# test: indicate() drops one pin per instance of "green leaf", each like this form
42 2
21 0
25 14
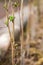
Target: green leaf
6 23
11 18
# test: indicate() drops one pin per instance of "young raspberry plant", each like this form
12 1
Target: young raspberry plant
11 18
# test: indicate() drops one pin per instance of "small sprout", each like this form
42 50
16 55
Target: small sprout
15 4
6 23
11 18
5 6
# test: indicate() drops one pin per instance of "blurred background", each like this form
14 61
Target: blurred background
36 46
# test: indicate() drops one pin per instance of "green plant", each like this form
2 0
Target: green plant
11 18
7 24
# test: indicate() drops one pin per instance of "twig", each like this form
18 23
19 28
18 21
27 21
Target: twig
11 40
13 37
22 39
8 21
28 30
